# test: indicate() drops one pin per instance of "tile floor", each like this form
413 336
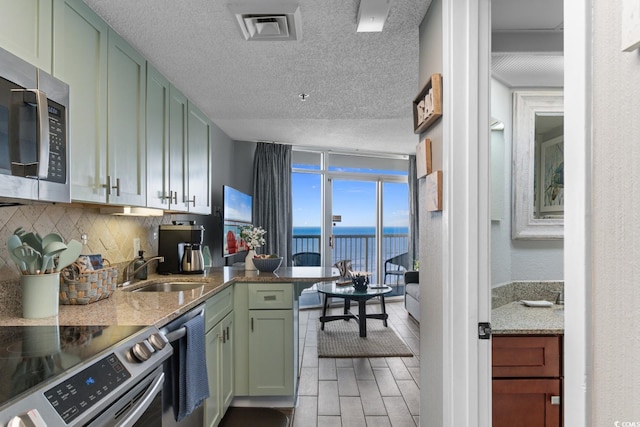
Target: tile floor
371 392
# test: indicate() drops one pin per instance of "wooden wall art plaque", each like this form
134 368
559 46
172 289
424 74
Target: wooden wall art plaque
427 106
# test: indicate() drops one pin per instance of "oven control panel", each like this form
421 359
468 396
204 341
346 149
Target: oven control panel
83 390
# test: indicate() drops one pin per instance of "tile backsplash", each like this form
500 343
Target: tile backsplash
111 236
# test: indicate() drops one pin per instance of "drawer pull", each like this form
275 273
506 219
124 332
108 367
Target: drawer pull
555 400
269 297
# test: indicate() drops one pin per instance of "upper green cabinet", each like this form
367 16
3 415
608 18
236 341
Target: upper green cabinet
198 197
134 138
157 140
107 81
80 44
25 30
126 105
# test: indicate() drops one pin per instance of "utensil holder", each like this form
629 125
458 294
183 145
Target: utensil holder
40 295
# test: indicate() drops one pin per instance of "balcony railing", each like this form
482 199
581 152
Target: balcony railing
359 248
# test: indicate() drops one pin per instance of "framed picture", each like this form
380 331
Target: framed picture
434 191
427 106
551 188
423 158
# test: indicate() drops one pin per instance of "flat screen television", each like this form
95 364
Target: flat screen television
236 213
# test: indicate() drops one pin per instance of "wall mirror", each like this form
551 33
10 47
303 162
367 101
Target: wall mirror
538 165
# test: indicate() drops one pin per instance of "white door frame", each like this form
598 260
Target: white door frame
466 212
466 387
577 226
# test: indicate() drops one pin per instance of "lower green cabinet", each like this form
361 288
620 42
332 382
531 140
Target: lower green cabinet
271 353
219 340
220 370
266 343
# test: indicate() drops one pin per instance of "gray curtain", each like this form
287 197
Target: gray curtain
414 230
272 198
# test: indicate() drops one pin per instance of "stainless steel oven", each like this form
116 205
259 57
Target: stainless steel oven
34 146
82 375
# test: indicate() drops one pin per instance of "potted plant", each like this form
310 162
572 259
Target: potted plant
253 238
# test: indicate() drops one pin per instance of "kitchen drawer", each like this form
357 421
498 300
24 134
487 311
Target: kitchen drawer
270 296
526 356
219 306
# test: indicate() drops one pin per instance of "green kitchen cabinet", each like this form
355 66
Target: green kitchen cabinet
198 168
107 82
126 105
157 140
266 341
25 30
80 51
271 353
166 143
219 340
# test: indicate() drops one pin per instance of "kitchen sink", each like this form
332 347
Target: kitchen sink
168 287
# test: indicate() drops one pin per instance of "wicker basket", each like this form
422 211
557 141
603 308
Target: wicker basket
88 286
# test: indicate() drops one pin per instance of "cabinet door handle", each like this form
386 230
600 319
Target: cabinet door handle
175 197
117 187
227 332
191 201
252 324
555 400
108 185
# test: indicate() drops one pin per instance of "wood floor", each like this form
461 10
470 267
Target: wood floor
371 392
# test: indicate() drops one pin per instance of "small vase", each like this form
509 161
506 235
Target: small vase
248 261
40 295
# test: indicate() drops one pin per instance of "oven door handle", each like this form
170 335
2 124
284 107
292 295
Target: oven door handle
180 332
145 402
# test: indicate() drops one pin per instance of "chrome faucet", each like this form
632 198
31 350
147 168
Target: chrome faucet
128 274
560 297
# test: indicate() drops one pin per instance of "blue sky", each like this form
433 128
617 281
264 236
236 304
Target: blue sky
354 200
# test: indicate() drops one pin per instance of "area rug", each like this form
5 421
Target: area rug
341 339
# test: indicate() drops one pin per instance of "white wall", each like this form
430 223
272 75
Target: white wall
431 265
517 259
614 349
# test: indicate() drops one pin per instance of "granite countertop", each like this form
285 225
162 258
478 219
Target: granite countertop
510 316
158 308
516 318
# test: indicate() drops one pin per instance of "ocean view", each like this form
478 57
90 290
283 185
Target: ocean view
354 243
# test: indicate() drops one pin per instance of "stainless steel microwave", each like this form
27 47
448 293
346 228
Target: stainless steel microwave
34 144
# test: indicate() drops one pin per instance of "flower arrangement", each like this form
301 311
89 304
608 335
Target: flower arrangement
253 236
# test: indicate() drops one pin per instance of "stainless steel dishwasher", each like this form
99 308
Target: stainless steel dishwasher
174 332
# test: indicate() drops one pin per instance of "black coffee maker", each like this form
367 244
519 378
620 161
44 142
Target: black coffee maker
172 239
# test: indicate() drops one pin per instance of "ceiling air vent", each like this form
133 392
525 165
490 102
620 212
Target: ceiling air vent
268 21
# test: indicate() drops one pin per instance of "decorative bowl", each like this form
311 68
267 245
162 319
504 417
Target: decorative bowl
267 265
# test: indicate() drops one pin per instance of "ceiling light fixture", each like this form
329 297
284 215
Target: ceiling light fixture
372 15
303 96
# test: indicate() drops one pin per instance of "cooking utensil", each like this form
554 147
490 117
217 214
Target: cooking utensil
69 255
29 256
50 250
13 243
50 238
33 240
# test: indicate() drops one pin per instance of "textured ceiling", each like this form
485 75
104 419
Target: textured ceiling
360 85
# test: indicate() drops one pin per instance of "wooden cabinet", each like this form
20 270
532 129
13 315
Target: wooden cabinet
266 348
80 40
25 30
527 381
219 353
